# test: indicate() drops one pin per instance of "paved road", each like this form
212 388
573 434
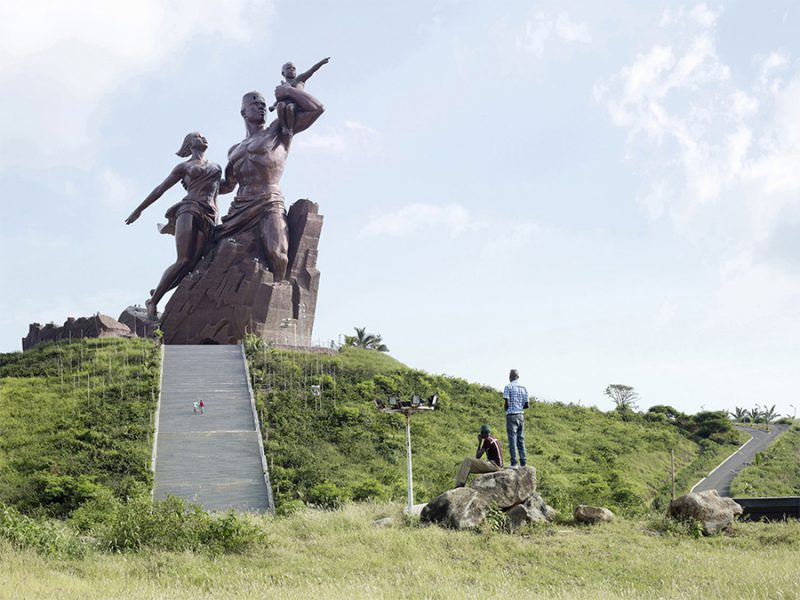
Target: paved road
213 459
720 478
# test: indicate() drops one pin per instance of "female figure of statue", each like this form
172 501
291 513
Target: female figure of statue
192 220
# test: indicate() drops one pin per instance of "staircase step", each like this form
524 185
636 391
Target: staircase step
213 459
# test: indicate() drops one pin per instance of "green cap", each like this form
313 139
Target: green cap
485 429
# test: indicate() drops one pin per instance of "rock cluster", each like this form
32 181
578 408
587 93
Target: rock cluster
713 511
511 490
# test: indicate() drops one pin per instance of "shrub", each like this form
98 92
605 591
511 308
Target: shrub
42 535
328 495
369 489
289 507
173 525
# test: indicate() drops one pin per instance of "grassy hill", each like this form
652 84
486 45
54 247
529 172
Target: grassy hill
774 472
330 448
76 519
75 422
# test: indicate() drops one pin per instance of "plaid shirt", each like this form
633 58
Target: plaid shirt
516 395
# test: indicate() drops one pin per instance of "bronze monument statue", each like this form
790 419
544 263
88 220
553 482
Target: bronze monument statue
257 271
192 220
256 164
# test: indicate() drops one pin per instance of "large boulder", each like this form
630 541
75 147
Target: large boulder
461 508
510 490
533 510
592 515
714 512
508 487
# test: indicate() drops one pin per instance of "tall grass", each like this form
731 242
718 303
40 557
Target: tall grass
342 554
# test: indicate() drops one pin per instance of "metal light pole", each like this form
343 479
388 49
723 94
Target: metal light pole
407 408
408 463
794 411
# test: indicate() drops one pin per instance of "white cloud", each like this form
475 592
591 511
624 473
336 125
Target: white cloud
665 314
688 122
541 27
569 31
719 157
452 218
60 60
514 238
754 295
115 191
348 138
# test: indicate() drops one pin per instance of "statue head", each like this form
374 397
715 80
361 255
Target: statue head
513 375
254 107
192 140
289 71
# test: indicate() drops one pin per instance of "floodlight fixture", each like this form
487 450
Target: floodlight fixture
408 407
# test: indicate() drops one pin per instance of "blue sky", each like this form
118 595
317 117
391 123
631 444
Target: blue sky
592 193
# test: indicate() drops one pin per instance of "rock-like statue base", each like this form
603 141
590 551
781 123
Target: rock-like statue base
231 292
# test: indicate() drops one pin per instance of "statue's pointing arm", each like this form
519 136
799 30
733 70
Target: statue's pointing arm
173 178
305 76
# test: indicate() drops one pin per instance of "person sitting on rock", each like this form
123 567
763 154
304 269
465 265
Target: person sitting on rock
487 444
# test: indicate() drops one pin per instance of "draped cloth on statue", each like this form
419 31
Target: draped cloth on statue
201 183
246 212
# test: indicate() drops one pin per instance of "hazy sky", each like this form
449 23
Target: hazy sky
591 192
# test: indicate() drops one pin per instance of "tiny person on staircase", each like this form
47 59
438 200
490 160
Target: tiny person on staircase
487 444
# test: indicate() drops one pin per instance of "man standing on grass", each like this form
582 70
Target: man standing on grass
516 400
486 445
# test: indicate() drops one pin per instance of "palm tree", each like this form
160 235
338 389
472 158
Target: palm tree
754 414
769 415
362 339
739 414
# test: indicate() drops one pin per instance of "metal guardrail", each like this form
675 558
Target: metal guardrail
775 508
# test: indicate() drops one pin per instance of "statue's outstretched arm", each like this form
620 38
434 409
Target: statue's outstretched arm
304 76
172 179
309 108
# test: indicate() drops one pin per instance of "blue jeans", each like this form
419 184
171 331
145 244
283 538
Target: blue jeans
515 429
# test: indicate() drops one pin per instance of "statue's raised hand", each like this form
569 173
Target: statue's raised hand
133 216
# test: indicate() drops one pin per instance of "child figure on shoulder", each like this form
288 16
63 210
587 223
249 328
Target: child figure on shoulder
286 110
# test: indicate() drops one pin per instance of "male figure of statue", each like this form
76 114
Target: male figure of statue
256 165
516 400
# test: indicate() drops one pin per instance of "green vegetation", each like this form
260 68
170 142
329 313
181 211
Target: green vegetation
774 472
75 423
341 554
362 339
329 448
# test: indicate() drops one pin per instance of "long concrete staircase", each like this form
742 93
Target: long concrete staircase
215 459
